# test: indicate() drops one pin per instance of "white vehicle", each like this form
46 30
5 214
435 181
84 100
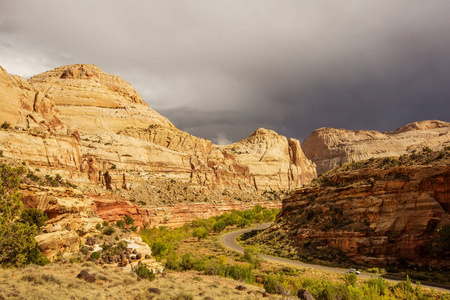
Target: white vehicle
354 271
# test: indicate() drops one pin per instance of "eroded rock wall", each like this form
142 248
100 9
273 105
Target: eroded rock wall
329 147
168 216
390 215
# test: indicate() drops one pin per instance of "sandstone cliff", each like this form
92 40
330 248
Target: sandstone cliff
93 130
329 147
117 128
92 101
24 108
374 216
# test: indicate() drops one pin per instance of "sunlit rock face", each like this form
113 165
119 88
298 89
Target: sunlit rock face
329 147
117 127
375 216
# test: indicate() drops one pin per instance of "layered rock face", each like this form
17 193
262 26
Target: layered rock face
38 135
329 147
25 108
168 216
92 101
117 128
71 218
94 130
374 216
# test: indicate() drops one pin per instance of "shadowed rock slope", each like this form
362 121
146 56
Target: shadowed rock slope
393 211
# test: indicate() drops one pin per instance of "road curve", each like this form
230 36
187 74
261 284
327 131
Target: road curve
229 240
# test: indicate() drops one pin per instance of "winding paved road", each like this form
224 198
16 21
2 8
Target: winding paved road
229 240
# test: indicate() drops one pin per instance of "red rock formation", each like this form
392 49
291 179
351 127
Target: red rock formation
391 214
168 216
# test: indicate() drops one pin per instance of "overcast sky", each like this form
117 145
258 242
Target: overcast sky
222 69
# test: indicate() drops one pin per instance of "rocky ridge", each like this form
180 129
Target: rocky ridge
107 123
94 131
329 147
374 216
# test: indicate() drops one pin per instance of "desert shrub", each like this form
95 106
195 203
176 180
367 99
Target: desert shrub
84 249
219 226
183 296
426 149
187 262
95 255
350 279
34 216
98 226
380 284
159 249
238 272
128 220
200 233
251 255
5 125
172 261
17 244
270 284
143 272
120 224
41 279
108 230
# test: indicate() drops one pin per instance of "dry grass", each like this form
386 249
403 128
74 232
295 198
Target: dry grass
58 281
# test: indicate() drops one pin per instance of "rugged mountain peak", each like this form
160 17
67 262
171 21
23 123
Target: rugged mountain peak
25 108
262 135
86 85
93 101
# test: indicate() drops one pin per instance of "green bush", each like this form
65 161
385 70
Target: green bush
187 262
128 220
270 284
200 233
441 245
5 125
159 249
120 224
143 272
172 261
84 249
95 255
350 279
17 244
251 255
34 216
219 226
109 230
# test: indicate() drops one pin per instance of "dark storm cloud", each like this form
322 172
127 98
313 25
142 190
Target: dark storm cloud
222 69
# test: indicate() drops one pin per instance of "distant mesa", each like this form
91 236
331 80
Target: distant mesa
329 147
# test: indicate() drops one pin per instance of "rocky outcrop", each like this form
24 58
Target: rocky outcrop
329 147
168 216
117 128
25 108
92 101
51 150
70 218
374 216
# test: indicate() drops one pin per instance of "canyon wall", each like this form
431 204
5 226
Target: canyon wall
329 147
117 128
374 216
